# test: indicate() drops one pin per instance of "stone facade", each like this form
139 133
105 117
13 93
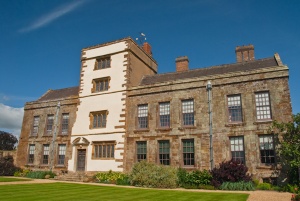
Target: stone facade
242 79
58 104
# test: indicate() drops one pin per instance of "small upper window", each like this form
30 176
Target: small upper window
102 63
188 112
164 114
143 116
65 124
101 84
263 106
35 128
50 121
234 108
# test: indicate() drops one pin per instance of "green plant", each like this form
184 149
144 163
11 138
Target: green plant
152 175
123 181
7 167
112 177
193 179
181 175
295 197
264 186
255 182
39 174
238 186
22 173
229 171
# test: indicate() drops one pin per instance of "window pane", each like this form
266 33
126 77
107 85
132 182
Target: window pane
263 110
141 151
237 149
143 116
234 108
164 114
188 152
65 124
164 152
267 152
188 112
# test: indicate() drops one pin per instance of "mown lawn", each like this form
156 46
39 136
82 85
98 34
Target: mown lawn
10 179
68 191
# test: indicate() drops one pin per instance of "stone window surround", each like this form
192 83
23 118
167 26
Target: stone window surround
142 117
103 143
227 108
261 136
35 126
49 121
181 112
31 151
93 113
269 106
65 122
46 152
61 155
240 149
165 113
162 155
97 80
141 151
105 62
182 153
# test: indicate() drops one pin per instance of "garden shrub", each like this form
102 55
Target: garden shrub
111 177
193 179
7 167
264 186
39 174
238 186
21 173
153 176
229 171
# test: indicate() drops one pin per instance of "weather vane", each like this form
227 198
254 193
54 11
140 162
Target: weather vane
141 39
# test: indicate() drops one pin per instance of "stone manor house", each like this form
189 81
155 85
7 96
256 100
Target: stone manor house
123 112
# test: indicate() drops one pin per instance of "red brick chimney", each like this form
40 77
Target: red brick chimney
244 53
147 48
182 64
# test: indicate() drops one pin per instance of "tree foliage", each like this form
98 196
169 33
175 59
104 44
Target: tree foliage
7 141
289 148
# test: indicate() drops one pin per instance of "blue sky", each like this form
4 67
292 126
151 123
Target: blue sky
41 40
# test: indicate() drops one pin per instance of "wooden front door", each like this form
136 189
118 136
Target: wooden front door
81 159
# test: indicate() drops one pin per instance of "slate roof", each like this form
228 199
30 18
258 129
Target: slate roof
214 70
59 94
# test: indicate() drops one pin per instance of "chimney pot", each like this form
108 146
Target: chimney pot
244 53
182 63
147 48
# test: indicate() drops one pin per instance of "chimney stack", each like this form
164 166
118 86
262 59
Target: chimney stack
147 48
182 64
244 53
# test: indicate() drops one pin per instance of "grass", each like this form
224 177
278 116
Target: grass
10 179
68 191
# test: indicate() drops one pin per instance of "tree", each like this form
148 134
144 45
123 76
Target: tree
7 141
289 147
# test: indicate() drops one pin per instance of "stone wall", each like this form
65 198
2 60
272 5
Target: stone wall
42 109
274 80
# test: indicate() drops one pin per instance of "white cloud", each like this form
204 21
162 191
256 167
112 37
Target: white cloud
11 119
55 14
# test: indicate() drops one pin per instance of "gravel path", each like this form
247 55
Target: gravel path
254 195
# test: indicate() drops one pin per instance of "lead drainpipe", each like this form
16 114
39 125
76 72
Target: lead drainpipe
54 136
211 157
